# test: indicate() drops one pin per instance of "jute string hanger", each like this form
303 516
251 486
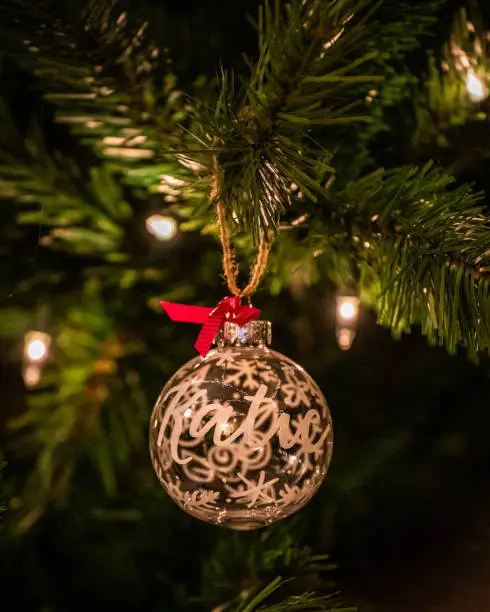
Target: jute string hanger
230 266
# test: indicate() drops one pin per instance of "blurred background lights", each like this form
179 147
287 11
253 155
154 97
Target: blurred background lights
36 350
32 375
475 87
347 307
345 338
347 311
36 346
162 227
346 320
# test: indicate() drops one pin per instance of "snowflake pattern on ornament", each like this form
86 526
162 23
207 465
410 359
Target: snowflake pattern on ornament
254 491
300 388
296 391
227 357
267 374
293 494
244 435
242 373
200 502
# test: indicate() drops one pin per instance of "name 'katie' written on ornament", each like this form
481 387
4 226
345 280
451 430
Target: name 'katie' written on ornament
200 423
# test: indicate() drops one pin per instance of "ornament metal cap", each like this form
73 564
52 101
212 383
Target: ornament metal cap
253 333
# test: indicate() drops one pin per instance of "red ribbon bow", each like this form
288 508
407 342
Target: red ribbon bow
229 309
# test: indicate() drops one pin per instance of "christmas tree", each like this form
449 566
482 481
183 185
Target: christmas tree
338 148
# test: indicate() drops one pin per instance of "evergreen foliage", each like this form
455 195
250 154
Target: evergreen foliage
302 134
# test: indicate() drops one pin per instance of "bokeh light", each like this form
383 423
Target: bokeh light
475 87
161 227
32 375
345 338
36 346
347 307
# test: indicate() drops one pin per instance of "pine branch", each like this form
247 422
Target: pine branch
2 505
401 26
81 406
306 601
309 74
83 217
107 82
444 102
418 246
236 569
425 253
447 302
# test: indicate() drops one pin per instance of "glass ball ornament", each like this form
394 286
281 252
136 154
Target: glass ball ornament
243 436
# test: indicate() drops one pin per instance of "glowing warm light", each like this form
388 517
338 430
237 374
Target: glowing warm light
114 141
129 152
345 338
187 162
36 346
163 228
347 307
36 350
347 313
173 181
32 375
227 428
475 87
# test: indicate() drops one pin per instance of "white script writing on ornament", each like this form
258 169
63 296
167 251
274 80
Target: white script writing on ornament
216 415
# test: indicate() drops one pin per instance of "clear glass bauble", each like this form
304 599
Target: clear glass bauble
242 437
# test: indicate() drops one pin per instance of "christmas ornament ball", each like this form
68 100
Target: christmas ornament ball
243 436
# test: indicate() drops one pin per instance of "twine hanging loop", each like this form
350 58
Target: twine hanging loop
230 266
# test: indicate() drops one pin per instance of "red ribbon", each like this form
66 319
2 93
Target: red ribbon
211 319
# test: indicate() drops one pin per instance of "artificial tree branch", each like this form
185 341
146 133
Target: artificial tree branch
105 79
79 407
308 74
47 190
424 249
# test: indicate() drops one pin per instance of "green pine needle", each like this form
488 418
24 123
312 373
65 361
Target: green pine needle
305 601
425 252
306 75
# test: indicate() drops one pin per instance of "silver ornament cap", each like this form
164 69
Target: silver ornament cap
254 333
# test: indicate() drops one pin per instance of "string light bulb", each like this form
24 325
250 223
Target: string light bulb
346 320
31 375
36 351
36 346
161 227
347 307
475 87
345 338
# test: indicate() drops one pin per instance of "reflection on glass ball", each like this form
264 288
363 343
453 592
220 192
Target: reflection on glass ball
242 437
